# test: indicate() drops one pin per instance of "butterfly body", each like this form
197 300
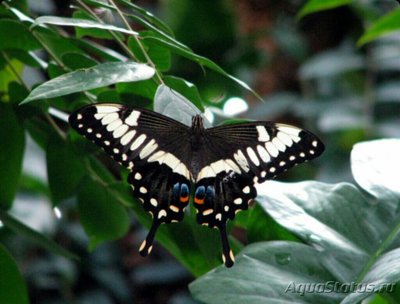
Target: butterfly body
166 157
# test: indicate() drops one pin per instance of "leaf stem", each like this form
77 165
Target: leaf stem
115 36
386 243
14 71
149 61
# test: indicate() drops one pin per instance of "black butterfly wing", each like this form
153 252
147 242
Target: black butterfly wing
153 147
239 156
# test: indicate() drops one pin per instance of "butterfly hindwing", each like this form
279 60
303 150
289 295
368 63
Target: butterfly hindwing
163 193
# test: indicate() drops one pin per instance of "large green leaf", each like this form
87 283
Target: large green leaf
353 233
101 215
85 79
386 25
268 272
313 6
12 145
12 286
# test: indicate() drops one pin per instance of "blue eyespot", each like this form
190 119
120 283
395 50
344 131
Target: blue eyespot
200 192
184 190
175 189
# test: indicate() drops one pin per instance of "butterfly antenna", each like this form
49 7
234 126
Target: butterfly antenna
147 244
227 254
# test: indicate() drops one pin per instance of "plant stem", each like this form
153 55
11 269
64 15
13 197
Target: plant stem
149 61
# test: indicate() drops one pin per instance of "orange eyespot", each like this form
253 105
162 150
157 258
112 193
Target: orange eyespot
184 199
199 201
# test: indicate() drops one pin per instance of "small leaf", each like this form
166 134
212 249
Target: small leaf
64 169
386 25
12 146
101 215
171 103
34 236
82 23
373 165
12 285
85 79
313 6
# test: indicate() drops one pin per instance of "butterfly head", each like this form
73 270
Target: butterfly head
197 123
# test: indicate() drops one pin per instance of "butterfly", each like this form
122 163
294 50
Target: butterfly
165 158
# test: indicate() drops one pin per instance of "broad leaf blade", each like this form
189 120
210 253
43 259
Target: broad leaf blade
12 146
12 286
268 272
85 79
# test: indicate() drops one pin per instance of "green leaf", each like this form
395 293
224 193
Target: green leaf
101 215
85 79
15 35
386 25
12 146
159 55
313 6
82 23
146 89
76 61
199 59
64 169
34 236
12 285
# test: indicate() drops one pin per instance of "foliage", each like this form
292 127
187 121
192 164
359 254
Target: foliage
300 232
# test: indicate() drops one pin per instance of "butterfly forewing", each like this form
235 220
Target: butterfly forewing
153 147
